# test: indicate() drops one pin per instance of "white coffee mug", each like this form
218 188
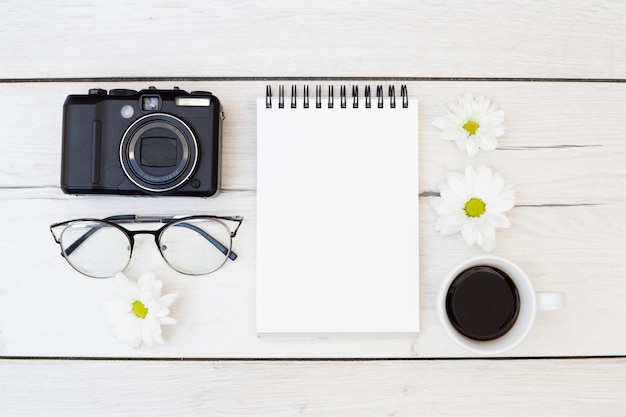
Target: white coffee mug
529 302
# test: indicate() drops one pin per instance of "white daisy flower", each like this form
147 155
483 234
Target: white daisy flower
139 310
474 204
473 123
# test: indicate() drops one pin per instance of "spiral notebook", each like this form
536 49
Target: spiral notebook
337 212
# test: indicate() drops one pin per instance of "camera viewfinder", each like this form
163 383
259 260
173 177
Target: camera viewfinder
150 103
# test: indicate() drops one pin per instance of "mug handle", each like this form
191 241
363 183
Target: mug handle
547 301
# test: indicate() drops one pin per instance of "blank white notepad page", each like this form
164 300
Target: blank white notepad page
338 220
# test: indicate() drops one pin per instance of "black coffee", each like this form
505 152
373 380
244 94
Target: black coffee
482 303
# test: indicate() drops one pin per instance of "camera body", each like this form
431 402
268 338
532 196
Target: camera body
155 142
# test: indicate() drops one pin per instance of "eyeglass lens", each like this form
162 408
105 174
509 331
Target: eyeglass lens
195 246
191 246
95 248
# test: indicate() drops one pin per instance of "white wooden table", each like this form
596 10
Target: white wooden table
557 69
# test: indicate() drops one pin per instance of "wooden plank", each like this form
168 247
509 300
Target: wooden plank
312 38
546 124
394 388
563 150
47 309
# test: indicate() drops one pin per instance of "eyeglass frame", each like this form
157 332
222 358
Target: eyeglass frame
130 235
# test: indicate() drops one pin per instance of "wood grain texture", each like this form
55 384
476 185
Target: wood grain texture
563 150
312 38
385 388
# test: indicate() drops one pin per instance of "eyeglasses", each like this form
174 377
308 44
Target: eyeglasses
192 245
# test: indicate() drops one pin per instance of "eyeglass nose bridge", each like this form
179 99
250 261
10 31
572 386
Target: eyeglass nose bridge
155 233
132 233
157 241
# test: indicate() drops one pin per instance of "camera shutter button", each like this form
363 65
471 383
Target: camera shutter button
97 92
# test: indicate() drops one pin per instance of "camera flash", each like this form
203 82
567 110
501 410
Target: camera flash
127 111
150 103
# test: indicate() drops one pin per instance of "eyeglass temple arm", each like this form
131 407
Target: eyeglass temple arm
232 255
71 248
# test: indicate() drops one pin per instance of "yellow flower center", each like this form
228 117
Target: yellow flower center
471 127
139 309
475 207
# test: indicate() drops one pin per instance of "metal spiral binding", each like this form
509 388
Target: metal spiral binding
281 96
294 94
342 96
392 96
318 97
379 96
331 95
355 97
268 97
368 98
404 93
380 99
305 102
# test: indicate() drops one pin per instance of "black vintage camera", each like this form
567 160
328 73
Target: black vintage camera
159 142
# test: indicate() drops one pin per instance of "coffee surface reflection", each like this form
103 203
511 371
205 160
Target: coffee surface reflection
482 303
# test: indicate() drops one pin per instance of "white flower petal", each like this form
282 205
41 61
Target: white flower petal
488 245
125 288
498 220
439 205
450 223
482 180
487 229
486 142
129 329
470 175
156 289
504 201
167 320
471 147
496 118
146 279
458 186
147 335
159 311
480 239
469 231
158 338
495 188
454 201
460 143
168 299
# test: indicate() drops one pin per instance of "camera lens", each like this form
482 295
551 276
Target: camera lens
158 152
